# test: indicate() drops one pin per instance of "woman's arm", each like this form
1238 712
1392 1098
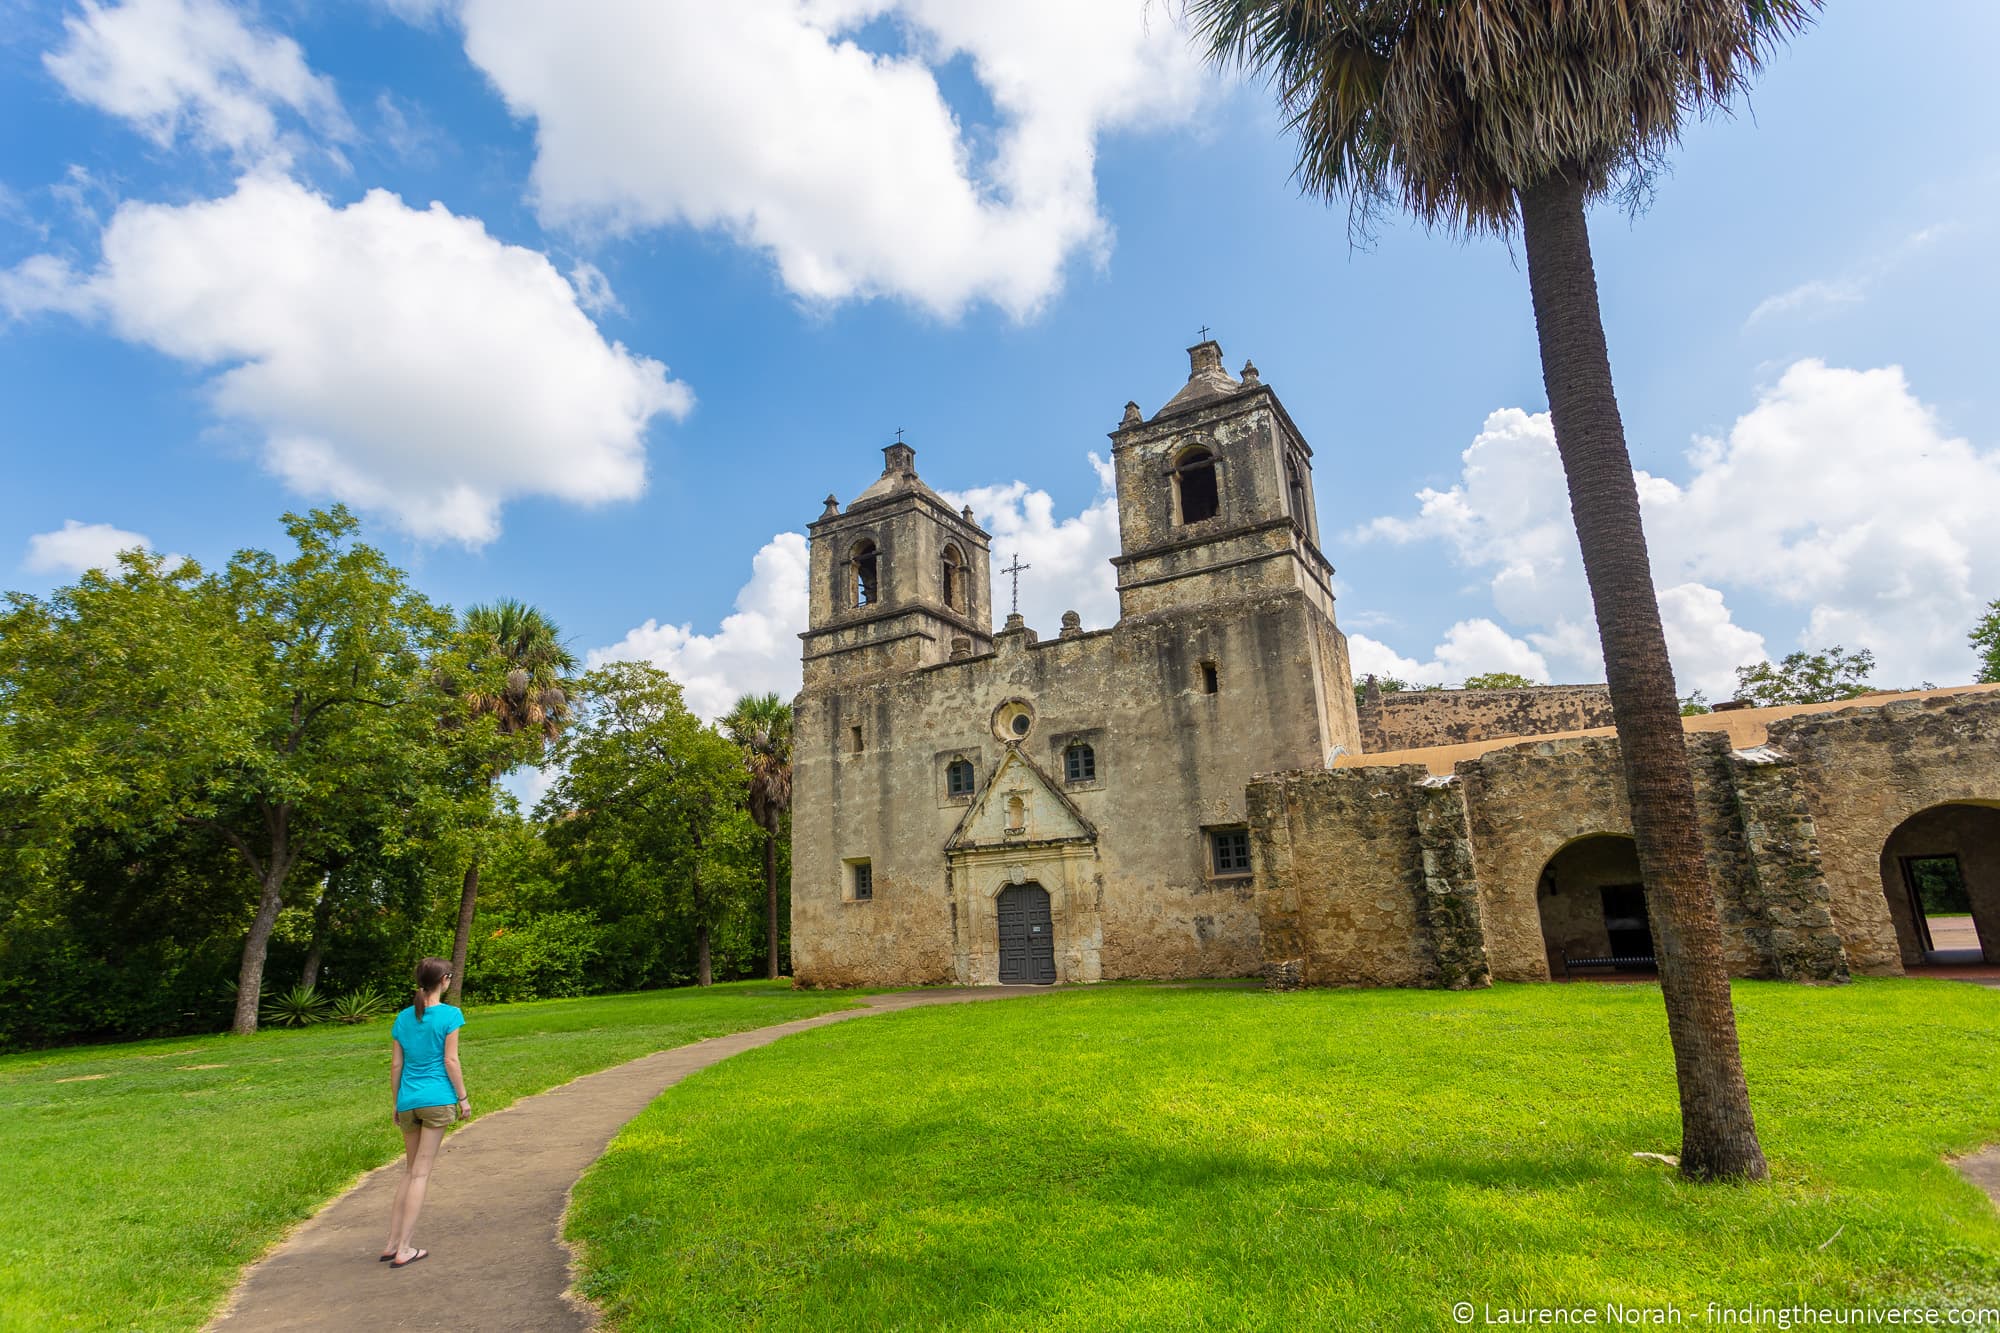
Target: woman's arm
454 1073
395 1074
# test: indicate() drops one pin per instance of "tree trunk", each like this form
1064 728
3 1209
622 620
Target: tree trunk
461 938
322 914
771 898
703 975
250 977
1718 1135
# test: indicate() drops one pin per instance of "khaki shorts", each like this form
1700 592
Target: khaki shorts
430 1117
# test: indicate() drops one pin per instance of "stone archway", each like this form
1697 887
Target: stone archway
1941 876
1593 909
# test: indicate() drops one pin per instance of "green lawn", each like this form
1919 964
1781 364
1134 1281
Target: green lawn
137 1180
1126 1158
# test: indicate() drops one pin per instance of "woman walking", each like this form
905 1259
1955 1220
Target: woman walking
429 1092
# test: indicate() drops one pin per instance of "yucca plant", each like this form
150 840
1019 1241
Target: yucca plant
301 1006
358 1006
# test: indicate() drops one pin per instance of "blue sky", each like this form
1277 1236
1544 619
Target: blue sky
594 310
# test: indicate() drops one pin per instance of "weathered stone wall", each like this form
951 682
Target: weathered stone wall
1172 761
1862 772
1416 719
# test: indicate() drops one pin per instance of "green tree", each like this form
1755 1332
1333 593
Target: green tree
1807 678
1985 637
1504 115
761 726
262 704
518 681
1498 680
647 783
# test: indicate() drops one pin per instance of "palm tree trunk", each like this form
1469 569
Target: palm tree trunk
1718 1135
461 938
771 898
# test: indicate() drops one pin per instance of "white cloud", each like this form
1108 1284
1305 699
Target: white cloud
194 69
401 360
1070 558
1470 648
76 547
765 120
593 289
1820 295
1838 496
755 650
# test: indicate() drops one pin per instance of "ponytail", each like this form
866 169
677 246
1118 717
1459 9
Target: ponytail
429 973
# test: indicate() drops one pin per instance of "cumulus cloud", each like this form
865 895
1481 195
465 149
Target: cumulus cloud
194 69
1470 648
768 121
1069 558
1839 496
76 547
399 359
755 650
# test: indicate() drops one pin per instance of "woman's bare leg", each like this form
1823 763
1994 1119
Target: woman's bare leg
415 1182
410 1140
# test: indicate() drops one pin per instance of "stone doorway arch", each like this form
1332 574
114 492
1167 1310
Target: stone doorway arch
1593 908
1027 936
1941 876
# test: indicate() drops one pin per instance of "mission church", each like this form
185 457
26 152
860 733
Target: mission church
1193 792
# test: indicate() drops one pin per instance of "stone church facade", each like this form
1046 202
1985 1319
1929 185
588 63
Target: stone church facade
975 807
1194 793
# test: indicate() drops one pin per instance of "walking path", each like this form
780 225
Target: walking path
494 1211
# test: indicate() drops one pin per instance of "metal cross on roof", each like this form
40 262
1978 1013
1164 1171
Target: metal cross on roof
899 435
1204 334
1015 569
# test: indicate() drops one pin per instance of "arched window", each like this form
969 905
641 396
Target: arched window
958 778
1017 814
955 591
864 581
1079 763
1295 482
1194 480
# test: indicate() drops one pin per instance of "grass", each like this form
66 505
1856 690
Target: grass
1121 1158
137 1180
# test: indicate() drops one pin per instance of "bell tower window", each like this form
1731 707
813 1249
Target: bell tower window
866 566
954 579
1296 484
1194 485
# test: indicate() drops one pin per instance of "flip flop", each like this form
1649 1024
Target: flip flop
385 1258
405 1263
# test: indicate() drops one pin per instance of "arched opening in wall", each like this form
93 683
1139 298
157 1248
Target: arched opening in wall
1194 486
953 578
1941 875
864 574
1593 909
1295 483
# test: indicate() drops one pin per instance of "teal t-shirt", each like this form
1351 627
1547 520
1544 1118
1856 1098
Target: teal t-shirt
424 1081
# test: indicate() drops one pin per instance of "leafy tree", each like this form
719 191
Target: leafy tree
1498 680
1695 704
519 674
1497 115
263 704
1985 637
761 725
647 784
1807 678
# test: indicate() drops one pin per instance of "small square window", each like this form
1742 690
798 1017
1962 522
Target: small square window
1229 850
958 778
1079 763
860 881
1209 683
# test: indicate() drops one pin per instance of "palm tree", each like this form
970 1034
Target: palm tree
762 725
529 703
1488 115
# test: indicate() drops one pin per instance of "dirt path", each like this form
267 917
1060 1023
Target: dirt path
495 1205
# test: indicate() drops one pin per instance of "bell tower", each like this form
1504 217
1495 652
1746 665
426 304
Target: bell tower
1215 496
900 579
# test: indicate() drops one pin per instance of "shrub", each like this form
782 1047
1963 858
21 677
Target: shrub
301 1006
533 958
359 1006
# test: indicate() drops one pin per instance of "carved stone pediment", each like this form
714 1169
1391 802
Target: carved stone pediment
1020 806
